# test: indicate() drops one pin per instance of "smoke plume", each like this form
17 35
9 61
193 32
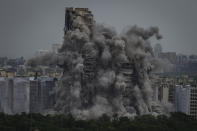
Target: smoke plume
105 72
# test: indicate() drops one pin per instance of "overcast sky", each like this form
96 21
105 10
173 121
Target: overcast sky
30 25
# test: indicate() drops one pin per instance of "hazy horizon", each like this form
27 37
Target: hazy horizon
27 26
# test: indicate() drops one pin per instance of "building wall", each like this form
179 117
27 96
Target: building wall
35 96
9 96
193 102
171 97
163 94
21 95
47 85
3 86
186 100
72 14
182 99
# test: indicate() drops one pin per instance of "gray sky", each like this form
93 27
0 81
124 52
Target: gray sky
29 25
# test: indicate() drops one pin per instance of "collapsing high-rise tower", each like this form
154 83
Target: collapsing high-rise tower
104 72
127 69
70 16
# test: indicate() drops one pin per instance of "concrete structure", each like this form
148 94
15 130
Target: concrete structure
6 95
47 84
76 19
171 96
21 95
35 96
182 99
164 89
9 96
186 100
72 14
193 102
163 94
3 86
40 94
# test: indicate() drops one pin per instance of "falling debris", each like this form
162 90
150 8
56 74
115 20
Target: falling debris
104 73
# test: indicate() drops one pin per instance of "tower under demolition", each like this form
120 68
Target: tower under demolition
85 15
126 69
72 15
104 72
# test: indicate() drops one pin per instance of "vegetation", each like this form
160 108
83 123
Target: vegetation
30 122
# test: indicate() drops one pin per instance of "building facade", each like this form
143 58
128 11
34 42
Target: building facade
20 95
35 96
72 14
23 94
47 84
186 100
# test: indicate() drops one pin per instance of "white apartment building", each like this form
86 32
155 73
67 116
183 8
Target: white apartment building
186 100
